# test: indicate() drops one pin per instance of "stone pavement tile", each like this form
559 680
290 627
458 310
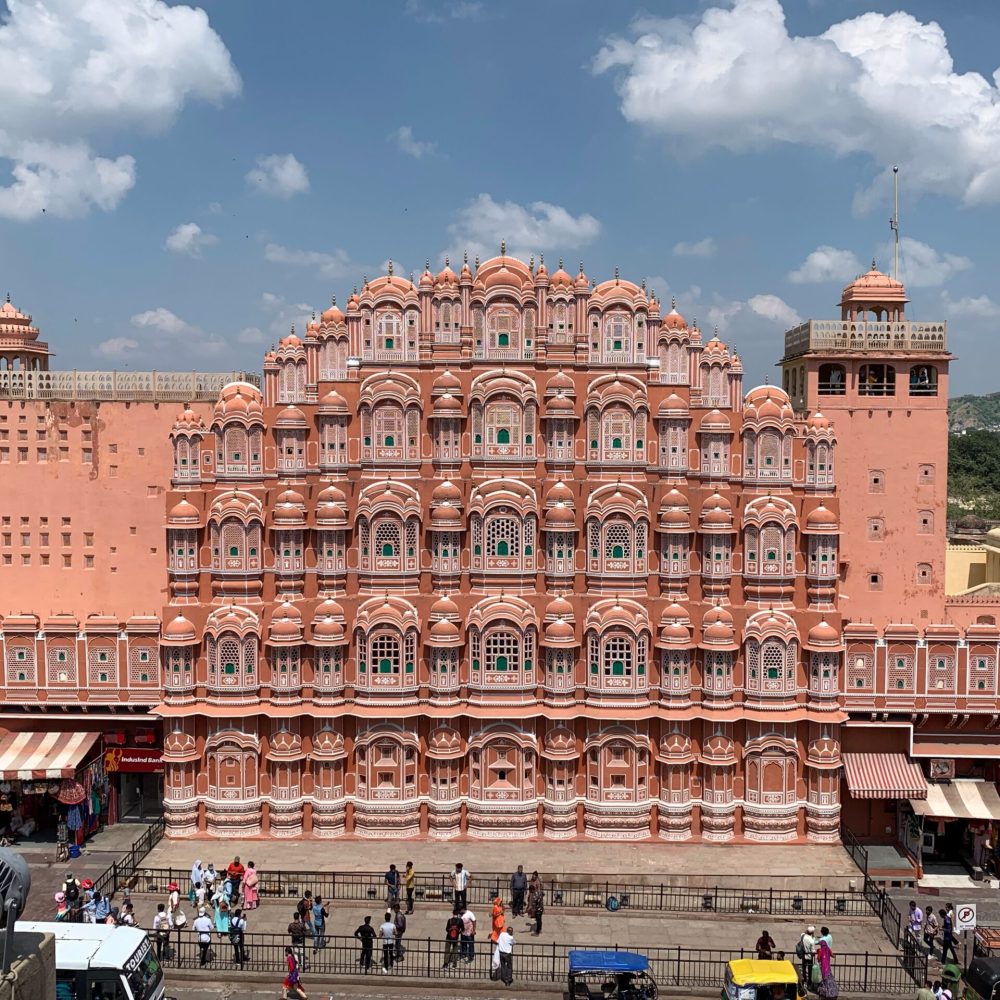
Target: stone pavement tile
797 866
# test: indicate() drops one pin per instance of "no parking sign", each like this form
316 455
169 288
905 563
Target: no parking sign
965 917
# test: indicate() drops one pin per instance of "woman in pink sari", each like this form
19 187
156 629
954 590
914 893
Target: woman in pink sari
250 893
826 989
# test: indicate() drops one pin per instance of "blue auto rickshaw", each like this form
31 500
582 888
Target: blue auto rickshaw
603 975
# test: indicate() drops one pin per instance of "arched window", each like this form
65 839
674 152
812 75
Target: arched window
877 380
771 666
389 334
618 337
832 380
503 536
923 380
234 458
503 324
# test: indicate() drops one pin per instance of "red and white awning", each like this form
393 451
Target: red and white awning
884 776
33 756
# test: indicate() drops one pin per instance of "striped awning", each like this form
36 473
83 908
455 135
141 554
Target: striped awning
964 798
884 776
32 756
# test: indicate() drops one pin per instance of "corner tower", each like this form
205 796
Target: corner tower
883 380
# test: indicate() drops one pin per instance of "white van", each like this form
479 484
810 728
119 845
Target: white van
102 961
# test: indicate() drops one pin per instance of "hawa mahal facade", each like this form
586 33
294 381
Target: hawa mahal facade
506 553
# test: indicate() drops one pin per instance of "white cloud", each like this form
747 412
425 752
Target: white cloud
773 308
279 175
82 70
116 348
539 226
827 263
882 86
166 331
281 315
921 266
337 264
433 12
188 238
250 335
409 144
703 248
980 307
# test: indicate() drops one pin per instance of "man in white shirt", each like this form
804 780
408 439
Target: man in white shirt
202 926
387 932
505 949
468 935
460 883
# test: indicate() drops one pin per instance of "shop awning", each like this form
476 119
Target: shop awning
32 756
884 776
961 799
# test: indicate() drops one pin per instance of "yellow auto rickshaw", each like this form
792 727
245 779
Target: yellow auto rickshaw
760 979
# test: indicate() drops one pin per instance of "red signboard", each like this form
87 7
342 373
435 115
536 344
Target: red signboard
132 759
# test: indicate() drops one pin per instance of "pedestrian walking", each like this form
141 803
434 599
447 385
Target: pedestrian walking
460 886
505 952
947 936
161 931
237 932
826 989
931 927
292 985
498 919
926 992
452 938
409 883
366 935
805 951
305 908
197 878
536 906
518 887
102 907
235 873
173 904
915 921
387 934
399 919
765 946
391 886
202 926
319 915
468 935
250 890
297 932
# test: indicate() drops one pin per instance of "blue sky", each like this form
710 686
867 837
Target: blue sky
178 185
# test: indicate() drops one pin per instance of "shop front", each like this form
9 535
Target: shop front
50 780
878 784
136 774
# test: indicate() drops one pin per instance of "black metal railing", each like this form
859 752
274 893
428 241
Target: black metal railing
878 899
560 892
122 870
424 958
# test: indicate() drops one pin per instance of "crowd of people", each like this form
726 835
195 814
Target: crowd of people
925 927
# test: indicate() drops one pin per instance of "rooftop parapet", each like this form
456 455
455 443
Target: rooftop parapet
118 386
865 337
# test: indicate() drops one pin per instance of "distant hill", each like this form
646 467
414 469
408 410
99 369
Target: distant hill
974 413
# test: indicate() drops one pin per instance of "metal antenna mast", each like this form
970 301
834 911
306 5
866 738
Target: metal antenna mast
894 222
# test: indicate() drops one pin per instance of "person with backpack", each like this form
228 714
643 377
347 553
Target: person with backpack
452 938
305 908
161 929
805 950
71 892
319 915
237 930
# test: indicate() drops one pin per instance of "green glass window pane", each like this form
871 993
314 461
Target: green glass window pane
503 436
385 666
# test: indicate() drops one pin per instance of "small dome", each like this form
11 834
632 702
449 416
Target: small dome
332 494
447 403
447 515
291 417
291 341
327 628
675 634
290 496
184 512
717 627
188 420
559 492
817 422
446 491
239 399
560 632
444 628
716 347
333 314
559 607
444 607
673 320
330 609
715 420
559 517
821 517
559 406
560 742
426 278
333 403
446 276
444 742
823 634
179 629
447 381
675 745
673 404
288 513
560 383
560 279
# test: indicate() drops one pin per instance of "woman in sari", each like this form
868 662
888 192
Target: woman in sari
826 989
499 920
250 892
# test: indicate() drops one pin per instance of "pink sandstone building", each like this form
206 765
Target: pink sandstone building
507 554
